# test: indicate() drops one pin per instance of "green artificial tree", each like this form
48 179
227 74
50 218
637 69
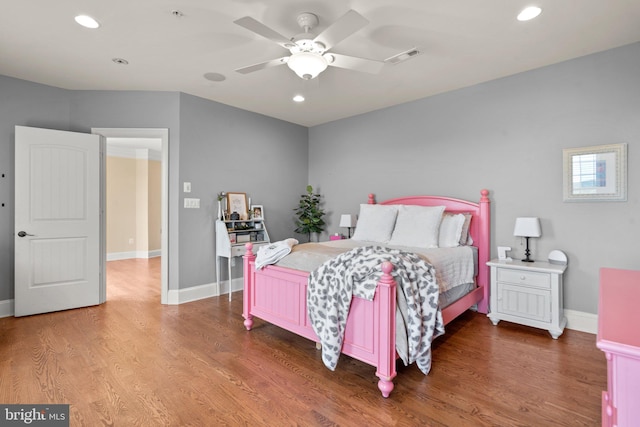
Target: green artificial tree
309 215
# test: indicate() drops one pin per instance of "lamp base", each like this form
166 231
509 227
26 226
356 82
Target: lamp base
527 252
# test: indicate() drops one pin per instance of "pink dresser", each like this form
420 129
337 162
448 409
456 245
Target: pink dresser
619 338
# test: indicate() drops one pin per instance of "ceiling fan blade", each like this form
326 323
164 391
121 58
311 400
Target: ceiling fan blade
354 63
259 28
346 25
263 65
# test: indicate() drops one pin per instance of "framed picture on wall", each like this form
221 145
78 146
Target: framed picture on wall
237 202
596 173
257 212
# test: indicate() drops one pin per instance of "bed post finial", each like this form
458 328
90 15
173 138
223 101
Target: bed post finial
484 193
372 199
249 249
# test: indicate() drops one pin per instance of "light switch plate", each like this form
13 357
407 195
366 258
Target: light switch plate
187 187
191 203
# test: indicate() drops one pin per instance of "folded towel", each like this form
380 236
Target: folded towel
274 252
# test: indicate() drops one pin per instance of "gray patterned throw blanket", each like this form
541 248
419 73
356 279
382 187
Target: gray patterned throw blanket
356 273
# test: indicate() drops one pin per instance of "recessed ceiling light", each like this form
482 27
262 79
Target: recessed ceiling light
215 77
87 21
529 13
298 98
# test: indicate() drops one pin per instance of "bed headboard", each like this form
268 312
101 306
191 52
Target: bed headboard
479 228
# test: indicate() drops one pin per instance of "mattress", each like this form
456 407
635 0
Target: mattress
454 266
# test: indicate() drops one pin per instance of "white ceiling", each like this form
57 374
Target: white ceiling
462 43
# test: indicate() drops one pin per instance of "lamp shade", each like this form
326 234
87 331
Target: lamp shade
527 227
307 65
347 220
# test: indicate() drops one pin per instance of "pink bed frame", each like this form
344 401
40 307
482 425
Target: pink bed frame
279 295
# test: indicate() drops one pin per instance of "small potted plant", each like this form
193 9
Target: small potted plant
309 215
221 197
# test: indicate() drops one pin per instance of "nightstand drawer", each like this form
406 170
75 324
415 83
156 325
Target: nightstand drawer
529 278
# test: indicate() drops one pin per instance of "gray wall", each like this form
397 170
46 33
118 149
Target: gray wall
215 147
26 104
506 136
228 149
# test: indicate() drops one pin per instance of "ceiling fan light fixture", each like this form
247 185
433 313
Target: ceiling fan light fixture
307 65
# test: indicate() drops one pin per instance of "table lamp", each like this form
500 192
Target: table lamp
527 227
348 221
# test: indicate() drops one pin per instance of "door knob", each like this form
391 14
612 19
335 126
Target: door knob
23 233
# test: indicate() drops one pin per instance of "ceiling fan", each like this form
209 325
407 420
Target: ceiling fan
310 53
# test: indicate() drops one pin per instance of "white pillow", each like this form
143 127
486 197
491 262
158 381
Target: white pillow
417 226
465 237
450 230
375 223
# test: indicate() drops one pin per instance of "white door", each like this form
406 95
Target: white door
57 221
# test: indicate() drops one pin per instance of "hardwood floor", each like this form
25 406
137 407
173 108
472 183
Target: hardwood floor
134 362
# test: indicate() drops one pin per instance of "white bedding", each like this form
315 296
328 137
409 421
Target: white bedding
454 266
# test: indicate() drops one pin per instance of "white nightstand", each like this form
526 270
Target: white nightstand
529 293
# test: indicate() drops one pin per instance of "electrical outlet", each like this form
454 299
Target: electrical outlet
131 240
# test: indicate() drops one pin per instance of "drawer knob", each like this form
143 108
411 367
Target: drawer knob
523 277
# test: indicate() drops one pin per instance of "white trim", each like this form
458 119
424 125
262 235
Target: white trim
237 284
576 320
581 321
115 256
163 135
154 254
195 293
7 308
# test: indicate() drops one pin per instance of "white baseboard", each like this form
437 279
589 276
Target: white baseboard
195 293
154 254
116 256
6 308
581 321
576 320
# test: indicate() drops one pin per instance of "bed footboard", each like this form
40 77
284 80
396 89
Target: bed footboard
278 296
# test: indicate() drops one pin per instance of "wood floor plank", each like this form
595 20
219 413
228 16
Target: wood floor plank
134 362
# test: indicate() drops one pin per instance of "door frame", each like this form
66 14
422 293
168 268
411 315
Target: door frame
163 135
